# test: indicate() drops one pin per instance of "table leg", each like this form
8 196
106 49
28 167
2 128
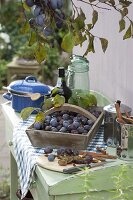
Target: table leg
13 178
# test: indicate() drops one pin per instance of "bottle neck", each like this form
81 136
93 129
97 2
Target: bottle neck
60 80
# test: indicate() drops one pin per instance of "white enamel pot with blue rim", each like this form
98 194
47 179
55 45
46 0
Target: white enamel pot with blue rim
20 93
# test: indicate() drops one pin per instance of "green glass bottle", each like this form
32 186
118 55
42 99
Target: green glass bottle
78 74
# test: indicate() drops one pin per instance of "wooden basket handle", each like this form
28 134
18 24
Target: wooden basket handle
72 108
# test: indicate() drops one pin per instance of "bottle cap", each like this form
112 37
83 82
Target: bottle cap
119 102
61 72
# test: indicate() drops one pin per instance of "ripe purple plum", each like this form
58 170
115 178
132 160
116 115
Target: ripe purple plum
76 124
48 128
54 122
80 130
29 3
38 125
51 157
48 149
48 31
63 129
53 4
37 11
65 116
65 124
40 20
59 4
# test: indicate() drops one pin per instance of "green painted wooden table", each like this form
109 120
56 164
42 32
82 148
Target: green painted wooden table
50 185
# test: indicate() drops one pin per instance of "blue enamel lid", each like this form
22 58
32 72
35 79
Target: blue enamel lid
30 85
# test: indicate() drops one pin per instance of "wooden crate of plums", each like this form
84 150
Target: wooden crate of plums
67 126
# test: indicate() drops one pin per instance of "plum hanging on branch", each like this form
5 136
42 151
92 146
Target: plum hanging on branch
50 23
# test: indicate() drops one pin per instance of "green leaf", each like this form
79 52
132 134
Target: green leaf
27 8
55 91
122 25
79 22
89 26
33 38
124 12
40 117
79 38
112 2
40 53
125 3
48 104
83 38
91 44
58 101
94 17
26 27
104 43
68 42
73 99
26 112
90 47
128 33
92 100
86 100
83 99
132 24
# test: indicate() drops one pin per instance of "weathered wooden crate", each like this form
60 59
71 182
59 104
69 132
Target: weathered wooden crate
41 138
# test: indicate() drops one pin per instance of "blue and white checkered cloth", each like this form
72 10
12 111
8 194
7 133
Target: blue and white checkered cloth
26 154
97 141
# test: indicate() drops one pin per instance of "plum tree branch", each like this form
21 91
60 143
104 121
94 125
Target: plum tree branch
50 18
93 5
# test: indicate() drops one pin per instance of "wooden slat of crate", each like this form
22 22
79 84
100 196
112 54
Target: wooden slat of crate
44 138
